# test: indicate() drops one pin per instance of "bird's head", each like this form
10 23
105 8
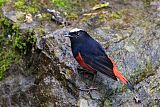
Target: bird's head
77 34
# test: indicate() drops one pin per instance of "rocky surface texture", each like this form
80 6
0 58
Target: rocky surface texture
47 75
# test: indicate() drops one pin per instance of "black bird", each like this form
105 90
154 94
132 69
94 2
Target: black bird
92 57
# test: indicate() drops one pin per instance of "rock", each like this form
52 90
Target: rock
49 76
83 103
56 16
29 18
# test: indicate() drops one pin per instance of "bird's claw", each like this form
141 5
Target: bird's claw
137 99
89 89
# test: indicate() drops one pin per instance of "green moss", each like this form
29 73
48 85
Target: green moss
67 6
31 10
19 4
147 2
13 44
72 16
40 31
7 58
116 15
46 16
20 15
20 42
24 42
2 2
7 53
73 8
30 7
61 3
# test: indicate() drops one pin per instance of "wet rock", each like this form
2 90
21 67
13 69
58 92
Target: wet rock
83 103
49 76
56 16
29 18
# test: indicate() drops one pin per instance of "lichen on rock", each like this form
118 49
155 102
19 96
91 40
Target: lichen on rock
39 69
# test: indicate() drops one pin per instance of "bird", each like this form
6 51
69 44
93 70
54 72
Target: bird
91 56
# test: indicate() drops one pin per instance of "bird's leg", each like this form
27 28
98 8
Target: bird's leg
85 72
94 78
87 89
136 98
91 86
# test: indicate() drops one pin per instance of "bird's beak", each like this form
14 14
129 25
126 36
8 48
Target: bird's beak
66 34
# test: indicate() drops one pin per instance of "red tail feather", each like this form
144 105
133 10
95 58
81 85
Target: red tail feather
117 73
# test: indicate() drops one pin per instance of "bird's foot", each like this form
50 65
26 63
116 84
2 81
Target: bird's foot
88 89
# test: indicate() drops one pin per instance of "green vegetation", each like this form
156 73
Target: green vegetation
32 7
7 57
72 8
3 2
147 2
23 43
19 4
13 44
116 15
67 6
62 3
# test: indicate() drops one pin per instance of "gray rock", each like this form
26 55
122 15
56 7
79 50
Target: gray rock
49 77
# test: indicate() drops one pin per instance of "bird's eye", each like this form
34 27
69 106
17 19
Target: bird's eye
78 34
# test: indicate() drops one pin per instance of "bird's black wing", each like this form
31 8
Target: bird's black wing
100 63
